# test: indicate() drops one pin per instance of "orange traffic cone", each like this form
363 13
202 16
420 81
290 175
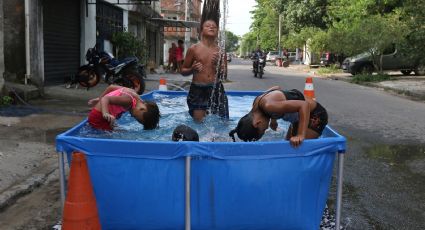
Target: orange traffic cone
80 211
162 84
309 88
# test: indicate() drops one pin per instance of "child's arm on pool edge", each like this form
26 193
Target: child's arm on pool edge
110 88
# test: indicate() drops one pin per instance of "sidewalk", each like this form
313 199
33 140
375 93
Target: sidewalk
410 86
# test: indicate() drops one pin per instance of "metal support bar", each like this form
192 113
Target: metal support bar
27 42
187 194
339 190
62 179
280 35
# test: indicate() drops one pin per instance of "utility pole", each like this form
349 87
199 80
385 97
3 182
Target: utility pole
223 31
224 36
240 47
280 34
187 33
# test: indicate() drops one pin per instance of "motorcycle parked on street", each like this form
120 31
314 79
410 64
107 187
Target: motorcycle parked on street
259 62
102 65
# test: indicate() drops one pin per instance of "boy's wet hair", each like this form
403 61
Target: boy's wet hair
210 11
184 133
245 130
151 116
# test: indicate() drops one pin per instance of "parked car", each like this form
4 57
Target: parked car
292 56
391 60
272 55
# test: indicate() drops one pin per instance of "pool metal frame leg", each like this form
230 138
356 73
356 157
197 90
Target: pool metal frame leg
62 179
187 194
339 189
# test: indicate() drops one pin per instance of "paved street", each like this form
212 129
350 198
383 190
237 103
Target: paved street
384 166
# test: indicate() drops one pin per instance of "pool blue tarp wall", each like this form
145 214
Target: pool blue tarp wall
258 185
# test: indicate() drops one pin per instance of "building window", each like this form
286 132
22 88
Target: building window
109 20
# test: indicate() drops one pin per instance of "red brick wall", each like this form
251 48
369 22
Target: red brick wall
168 9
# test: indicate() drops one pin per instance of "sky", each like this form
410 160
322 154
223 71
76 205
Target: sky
239 18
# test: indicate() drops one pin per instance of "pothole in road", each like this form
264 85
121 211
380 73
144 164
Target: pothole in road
409 159
396 155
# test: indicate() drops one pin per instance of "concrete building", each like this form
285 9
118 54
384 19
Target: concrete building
176 26
46 40
309 57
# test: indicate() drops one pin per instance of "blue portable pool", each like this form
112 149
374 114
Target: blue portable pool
208 185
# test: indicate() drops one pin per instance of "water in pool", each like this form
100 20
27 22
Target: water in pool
174 111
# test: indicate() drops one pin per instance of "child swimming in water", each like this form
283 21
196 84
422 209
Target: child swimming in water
184 133
116 100
307 117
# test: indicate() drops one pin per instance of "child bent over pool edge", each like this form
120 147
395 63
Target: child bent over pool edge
308 118
115 101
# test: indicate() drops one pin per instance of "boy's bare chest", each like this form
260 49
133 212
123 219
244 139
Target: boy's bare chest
206 56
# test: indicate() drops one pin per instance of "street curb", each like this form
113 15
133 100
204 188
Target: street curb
10 195
400 92
406 93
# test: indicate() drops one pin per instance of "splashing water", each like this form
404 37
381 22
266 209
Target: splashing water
218 101
174 112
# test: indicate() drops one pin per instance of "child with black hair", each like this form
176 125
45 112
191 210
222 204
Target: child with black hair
116 100
307 117
204 61
184 133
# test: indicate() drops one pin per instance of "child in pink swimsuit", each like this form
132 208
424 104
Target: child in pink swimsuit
115 101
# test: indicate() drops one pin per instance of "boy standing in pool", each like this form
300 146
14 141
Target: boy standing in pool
205 62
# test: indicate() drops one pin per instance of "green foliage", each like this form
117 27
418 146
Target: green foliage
5 100
341 26
248 44
265 25
231 41
413 15
127 44
373 33
329 70
362 78
302 14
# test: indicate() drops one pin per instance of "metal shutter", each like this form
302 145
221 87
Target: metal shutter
61 22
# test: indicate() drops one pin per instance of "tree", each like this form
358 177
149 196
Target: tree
248 44
372 34
265 25
303 14
231 41
127 44
299 39
414 17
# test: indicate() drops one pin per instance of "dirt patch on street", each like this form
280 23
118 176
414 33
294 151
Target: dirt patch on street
27 149
38 210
